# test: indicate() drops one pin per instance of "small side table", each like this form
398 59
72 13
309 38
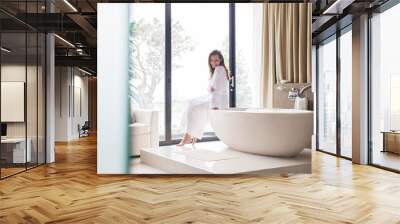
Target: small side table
391 141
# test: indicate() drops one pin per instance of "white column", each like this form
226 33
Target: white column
50 99
360 90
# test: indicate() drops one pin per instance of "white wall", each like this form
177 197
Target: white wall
12 73
33 126
61 103
80 82
360 90
17 73
12 100
67 116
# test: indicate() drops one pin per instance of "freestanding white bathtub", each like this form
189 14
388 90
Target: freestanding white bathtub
271 132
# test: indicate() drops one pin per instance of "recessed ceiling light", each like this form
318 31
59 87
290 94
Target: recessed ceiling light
84 71
337 7
5 50
64 40
70 5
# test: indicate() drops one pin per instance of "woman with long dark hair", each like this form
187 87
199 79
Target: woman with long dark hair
196 113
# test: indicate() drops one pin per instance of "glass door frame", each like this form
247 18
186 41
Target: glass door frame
338 34
169 140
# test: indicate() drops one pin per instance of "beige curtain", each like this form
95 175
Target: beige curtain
286 46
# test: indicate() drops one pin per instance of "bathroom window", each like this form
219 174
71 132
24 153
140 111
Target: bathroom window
192 40
22 76
327 96
147 44
170 44
248 53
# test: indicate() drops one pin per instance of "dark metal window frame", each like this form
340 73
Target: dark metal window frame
209 136
334 37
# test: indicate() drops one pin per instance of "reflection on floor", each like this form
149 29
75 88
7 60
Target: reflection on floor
11 169
346 152
386 159
215 158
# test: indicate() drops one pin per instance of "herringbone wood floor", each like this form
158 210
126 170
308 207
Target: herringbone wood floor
70 191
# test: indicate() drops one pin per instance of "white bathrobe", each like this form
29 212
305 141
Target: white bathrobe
195 117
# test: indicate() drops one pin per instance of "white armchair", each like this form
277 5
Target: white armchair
144 130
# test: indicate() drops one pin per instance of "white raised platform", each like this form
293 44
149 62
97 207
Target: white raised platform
217 158
137 167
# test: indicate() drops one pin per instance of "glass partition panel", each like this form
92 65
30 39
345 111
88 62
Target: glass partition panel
14 153
346 94
22 88
385 89
31 98
41 85
327 96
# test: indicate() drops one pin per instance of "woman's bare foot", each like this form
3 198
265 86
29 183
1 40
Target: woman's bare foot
185 140
194 140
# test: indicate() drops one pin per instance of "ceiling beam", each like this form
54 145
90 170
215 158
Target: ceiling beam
49 22
82 61
84 24
337 7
